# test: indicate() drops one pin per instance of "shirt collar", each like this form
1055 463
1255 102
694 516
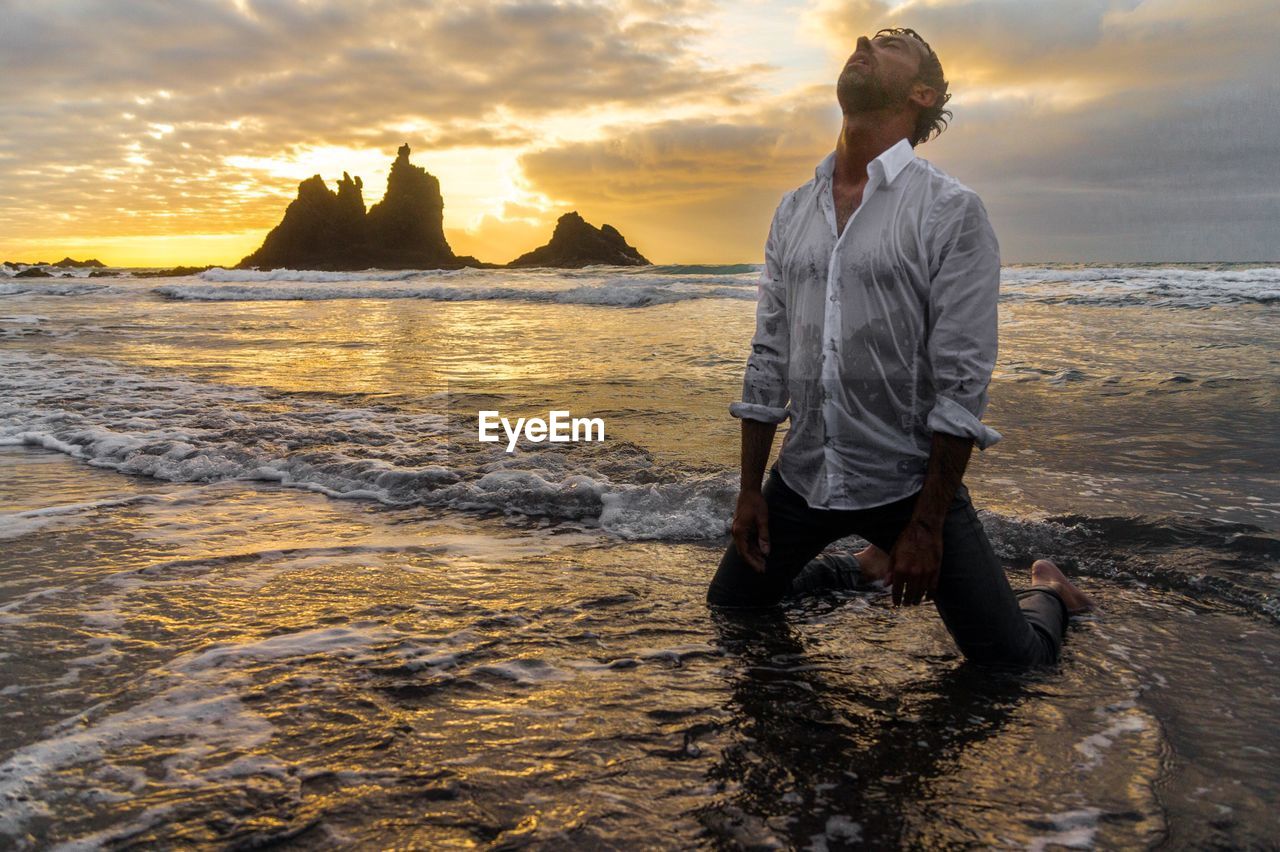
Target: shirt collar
891 162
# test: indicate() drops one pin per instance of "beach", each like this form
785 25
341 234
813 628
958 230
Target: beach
261 582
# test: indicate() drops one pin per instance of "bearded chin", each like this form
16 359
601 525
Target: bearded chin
857 93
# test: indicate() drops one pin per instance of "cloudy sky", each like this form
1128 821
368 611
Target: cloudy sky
155 132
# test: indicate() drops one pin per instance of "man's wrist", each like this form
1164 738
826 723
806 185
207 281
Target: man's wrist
928 523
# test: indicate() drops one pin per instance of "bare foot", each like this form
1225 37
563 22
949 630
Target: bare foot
1045 573
873 564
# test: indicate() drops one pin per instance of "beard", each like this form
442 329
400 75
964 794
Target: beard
860 90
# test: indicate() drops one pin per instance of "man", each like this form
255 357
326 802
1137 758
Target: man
876 335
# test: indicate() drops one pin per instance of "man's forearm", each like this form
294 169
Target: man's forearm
948 458
757 441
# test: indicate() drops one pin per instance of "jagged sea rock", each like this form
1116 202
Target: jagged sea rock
314 233
576 243
406 228
33 272
323 229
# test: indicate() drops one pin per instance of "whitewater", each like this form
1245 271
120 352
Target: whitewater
260 582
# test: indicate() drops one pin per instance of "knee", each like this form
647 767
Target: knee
737 584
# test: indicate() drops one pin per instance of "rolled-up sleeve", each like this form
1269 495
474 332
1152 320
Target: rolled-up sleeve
764 386
963 295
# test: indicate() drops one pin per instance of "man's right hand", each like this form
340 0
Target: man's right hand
751 528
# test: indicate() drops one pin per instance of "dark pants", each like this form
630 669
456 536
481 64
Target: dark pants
989 622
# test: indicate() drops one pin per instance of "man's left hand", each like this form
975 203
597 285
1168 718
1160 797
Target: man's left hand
913 564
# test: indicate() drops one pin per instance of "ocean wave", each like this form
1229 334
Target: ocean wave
706 269
1145 286
47 287
618 293
1104 286
220 275
18 524
150 423
1207 561
1139 285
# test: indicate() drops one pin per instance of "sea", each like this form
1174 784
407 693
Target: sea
262 585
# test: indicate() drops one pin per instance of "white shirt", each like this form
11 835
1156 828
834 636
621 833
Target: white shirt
872 339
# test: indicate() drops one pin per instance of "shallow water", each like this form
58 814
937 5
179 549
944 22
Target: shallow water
259 579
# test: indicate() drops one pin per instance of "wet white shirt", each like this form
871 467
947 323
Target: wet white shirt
872 339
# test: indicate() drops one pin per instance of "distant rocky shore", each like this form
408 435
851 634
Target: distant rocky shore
40 269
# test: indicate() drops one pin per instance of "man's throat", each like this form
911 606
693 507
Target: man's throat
846 203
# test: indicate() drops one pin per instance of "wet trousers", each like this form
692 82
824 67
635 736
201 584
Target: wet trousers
988 621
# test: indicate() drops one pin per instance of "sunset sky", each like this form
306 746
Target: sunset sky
156 133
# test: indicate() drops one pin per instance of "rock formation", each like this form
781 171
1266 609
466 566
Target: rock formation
322 229
171 272
67 262
576 243
311 234
407 226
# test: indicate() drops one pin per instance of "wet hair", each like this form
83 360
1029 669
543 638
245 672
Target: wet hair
934 119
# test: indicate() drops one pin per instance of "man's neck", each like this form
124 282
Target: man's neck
863 137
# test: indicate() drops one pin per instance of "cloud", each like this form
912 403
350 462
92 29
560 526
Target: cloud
691 159
1162 150
1125 177
1107 129
1093 128
693 189
1087 48
120 117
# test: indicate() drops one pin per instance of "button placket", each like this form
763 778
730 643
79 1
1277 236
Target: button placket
833 320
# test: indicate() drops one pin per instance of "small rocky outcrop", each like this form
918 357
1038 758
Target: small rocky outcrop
576 243
68 263
33 272
171 272
323 229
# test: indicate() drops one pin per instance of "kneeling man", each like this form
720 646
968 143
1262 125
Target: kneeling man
876 334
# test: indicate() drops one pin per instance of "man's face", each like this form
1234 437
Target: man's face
879 73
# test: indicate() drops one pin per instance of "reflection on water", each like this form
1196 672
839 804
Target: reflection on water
226 662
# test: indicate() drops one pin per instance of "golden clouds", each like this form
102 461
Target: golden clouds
694 190
131 119
1069 49
133 122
